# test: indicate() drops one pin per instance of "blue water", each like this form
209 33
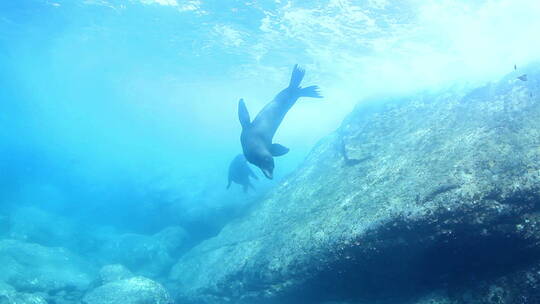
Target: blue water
122 113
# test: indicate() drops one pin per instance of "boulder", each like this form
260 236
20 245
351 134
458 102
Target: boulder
143 254
146 255
520 286
26 298
136 290
174 239
34 225
432 192
115 272
6 292
35 268
8 295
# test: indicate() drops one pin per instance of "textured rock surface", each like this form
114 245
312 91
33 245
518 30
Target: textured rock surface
137 290
37 226
174 239
404 199
35 268
33 225
115 272
520 286
8 295
146 255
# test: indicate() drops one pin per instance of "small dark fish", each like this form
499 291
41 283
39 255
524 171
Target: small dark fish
523 77
343 151
515 67
349 161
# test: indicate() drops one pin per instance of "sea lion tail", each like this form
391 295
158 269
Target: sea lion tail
296 78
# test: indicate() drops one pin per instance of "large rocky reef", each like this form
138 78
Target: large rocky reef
428 199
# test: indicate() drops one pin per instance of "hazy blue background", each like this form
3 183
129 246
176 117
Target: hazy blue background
113 106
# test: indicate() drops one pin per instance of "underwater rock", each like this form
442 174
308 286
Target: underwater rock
26 298
450 195
135 290
8 295
150 256
115 272
35 268
521 286
34 225
174 239
6 289
142 254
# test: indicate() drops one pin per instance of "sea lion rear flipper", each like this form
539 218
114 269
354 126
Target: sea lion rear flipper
229 184
278 150
296 77
243 114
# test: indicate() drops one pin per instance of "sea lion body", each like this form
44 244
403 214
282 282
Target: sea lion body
257 136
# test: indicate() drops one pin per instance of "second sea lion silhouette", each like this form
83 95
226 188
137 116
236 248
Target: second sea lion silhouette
239 172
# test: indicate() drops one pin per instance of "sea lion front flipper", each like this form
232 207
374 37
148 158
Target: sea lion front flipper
243 114
278 150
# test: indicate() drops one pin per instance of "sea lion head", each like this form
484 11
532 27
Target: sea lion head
266 164
262 158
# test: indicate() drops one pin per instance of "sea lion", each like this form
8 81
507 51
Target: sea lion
256 137
239 172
